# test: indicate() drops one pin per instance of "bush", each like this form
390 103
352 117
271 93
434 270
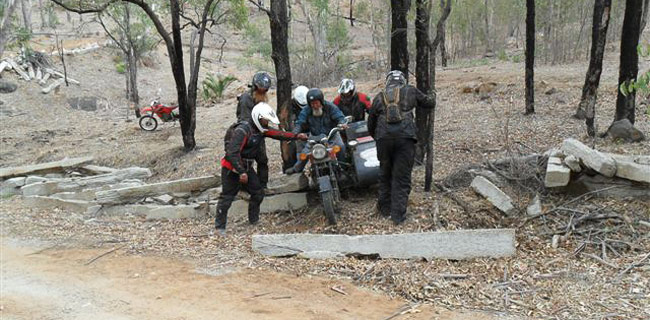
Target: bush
120 67
212 89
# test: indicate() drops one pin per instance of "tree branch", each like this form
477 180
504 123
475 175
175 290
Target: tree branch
261 8
83 11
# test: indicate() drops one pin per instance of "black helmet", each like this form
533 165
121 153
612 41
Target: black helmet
315 94
395 77
261 80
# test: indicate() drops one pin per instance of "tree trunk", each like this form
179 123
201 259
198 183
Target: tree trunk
629 61
5 25
530 56
399 55
600 23
644 15
186 111
27 14
132 63
41 10
351 17
443 47
422 74
280 55
488 39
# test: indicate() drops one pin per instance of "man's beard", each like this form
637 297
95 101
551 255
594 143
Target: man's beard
259 97
317 112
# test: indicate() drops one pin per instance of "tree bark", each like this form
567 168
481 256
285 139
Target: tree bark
186 111
280 55
600 23
644 15
5 25
629 60
41 10
530 56
488 39
422 74
26 5
443 47
399 55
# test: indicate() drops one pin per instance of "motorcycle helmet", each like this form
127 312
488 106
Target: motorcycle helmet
346 89
315 94
395 78
263 110
261 80
300 96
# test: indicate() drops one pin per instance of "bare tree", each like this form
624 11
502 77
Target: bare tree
399 55
5 23
186 92
530 56
422 73
629 60
600 23
26 6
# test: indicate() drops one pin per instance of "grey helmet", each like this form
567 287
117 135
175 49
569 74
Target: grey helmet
261 80
395 78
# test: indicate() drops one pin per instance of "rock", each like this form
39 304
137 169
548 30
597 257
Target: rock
639 159
289 183
557 175
174 212
280 202
49 203
210 194
35 179
493 194
150 211
54 176
7 87
462 244
608 187
117 196
591 158
623 129
45 188
43 168
535 207
554 152
551 91
14 182
555 243
96 170
76 184
164 199
181 195
86 195
573 163
83 103
633 171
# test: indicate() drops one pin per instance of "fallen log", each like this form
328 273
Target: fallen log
42 168
462 244
124 195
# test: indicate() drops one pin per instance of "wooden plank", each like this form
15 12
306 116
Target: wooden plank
124 195
49 167
461 244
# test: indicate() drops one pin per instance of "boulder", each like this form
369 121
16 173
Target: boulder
289 183
7 87
623 129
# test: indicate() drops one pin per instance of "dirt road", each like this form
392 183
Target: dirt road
56 283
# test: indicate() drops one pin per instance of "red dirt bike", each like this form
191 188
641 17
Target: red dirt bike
148 115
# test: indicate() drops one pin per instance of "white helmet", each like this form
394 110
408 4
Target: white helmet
264 110
300 95
346 86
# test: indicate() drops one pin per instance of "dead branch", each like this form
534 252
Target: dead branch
451 195
632 266
597 258
105 254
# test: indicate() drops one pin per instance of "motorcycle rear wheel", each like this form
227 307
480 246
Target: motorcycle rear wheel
328 205
148 123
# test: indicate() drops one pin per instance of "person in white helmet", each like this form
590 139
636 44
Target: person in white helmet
243 142
351 102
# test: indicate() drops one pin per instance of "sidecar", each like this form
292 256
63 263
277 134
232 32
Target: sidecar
362 155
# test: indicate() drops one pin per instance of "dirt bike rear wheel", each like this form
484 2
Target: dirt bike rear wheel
328 206
148 123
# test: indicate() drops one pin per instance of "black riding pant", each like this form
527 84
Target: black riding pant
396 157
230 188
262 164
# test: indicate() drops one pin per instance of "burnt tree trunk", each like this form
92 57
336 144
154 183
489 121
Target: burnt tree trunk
587 107
443 47
280 54
351 17
530 56
422 74
5 25
399 54
629 61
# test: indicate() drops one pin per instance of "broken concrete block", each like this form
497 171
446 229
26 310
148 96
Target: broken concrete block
557 175
633 171
42 168
49 202
289 183
573 163
164 199
86 195
462 244
535 207
280 202
591 158
117 196
639 159
493 194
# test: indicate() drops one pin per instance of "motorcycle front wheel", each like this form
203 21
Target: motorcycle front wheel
328 205
148 123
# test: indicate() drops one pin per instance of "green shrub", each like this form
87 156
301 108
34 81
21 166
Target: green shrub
213 88
120 67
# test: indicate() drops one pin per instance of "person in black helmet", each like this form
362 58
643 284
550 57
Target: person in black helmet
320 118
391 123
259 87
